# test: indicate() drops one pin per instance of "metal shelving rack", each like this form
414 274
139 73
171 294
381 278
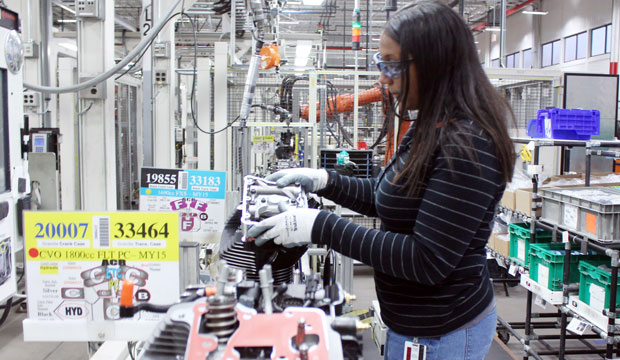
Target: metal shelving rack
611 334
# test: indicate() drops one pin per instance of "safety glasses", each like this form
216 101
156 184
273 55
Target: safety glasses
391 69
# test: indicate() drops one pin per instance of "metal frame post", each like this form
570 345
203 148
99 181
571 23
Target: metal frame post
312 77
146 19
612 305
45 20
588 163
220 104
502 34
69 189
164 97
528 310
203 107
98 158
565 283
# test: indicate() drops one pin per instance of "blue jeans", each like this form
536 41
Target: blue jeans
470 343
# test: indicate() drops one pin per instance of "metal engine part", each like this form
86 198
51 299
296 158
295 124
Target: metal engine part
263 199
238 323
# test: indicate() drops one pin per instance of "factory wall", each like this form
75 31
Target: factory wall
565 18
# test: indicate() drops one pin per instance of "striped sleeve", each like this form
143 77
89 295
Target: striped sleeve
459 193
353 193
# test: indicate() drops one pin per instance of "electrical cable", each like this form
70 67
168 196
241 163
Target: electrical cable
7 309
129 349
146 48
134 63
192 97
334 110
87 109
16 302
115 69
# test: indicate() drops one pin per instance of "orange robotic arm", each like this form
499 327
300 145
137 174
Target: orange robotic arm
344 103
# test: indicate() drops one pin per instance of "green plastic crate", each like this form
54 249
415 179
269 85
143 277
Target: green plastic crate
520 242
595 283
547 264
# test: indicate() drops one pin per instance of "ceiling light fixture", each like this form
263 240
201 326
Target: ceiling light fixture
313 2
530 12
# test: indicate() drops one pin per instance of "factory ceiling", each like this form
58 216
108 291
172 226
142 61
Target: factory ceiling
296 18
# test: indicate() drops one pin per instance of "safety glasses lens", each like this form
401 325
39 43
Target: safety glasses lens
390 69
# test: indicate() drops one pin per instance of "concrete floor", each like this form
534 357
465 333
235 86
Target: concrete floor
511 308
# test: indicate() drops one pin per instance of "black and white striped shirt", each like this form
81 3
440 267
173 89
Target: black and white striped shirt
429 258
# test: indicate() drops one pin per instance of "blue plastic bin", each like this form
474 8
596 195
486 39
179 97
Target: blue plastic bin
568 124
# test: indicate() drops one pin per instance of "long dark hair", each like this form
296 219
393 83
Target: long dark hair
451 86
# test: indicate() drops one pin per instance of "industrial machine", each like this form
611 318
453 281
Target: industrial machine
261 307
245 319
14 182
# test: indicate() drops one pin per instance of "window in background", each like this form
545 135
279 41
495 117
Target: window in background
556 56
510 61
517 59
551 53
582 45
547 50
527 58
601 40
608 40
495 63
570 48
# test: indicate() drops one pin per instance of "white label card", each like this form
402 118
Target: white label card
521 249
597 297
540 302
543 276
565 238
570 216
578 326
414 351
513 270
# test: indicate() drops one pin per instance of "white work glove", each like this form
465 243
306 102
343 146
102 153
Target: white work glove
290 228
312 180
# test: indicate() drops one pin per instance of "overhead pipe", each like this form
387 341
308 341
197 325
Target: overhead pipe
502 34
45 24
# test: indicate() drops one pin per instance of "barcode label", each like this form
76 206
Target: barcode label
183 179
101 233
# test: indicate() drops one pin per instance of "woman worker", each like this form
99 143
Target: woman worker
436 198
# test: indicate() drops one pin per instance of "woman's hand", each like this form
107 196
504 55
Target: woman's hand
290 228
312 180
